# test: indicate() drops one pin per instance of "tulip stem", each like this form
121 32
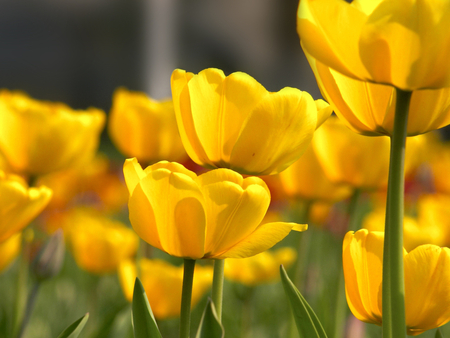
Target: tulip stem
394 323
29 308
185 315
217 287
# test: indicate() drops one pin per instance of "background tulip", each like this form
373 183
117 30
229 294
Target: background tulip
162 282
145 128
360 161
99 244
214 215
53 136
380 41
234 122
19 205
9 250
261 268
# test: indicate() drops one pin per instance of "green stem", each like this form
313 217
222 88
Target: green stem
185 315
352 211
303 247
217 286
341 310
394 324
29 308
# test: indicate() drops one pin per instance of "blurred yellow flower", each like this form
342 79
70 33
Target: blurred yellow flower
261 268
98 183
369 108
400 43
234 122
306 179
163 284
38 137
98 243
19 205
9 250
427 277
214 215
360 161
144 128
438 160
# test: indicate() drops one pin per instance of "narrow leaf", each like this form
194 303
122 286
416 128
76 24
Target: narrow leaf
144 323
438 334
75 328
308 325
210 326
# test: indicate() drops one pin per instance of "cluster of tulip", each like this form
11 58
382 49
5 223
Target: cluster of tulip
383 68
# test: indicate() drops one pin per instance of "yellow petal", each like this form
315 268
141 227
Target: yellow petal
324 111
329 30
233 210
9 250
263 238
427 288
362 257
185 122
133 173
174 223
19 205
276 133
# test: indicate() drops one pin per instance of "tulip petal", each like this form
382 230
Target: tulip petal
362 256
166 210
276 133
322 25
233 212
185 122
219 106
427 288
263 238
133 173
19 206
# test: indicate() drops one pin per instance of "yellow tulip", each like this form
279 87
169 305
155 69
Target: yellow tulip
19 205
39 137
144 128
427 277
163 284
439 163
369 108
360 161
9 250
214 215
415 231
400 43
306 179
98 243
234 122
261 268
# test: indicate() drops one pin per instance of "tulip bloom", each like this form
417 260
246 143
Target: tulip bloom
144 128
214 215
369 108
19 205
39 137
234 122
427 277
306 179
261 268
360 161
163 284
98 243
400 43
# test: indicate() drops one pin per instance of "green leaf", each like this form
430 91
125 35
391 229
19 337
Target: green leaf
74 329
438 334
308 325
210 326
144 323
